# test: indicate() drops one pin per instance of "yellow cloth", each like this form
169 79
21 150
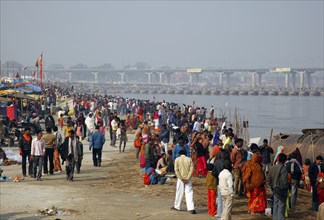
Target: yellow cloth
211 181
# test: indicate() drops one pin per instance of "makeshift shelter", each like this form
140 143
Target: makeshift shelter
24 90
33 87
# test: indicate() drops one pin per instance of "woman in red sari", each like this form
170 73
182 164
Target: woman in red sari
253 179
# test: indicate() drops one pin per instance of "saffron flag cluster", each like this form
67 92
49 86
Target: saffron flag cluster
39 63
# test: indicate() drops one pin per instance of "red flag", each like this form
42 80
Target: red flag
41 70
34 75
17 76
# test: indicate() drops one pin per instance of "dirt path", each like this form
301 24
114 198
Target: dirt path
113 191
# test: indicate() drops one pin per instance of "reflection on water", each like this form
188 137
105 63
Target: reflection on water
284 114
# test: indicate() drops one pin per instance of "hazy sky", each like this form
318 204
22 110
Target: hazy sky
234 34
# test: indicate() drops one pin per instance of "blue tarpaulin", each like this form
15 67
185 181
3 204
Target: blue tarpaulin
24 90
33 87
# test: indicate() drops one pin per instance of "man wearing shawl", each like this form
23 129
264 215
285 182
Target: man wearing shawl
71 153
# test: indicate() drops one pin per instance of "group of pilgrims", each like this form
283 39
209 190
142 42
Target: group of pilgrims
186 141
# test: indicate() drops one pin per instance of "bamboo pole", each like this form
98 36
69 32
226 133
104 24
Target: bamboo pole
270 139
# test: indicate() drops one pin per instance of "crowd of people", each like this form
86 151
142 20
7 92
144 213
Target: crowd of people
186 140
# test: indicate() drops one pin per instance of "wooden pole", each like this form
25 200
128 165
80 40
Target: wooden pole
270 139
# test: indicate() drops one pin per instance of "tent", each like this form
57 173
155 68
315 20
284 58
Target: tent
24 90
33 87
4 99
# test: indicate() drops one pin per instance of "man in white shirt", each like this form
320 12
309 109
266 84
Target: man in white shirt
37 154
183 167
90 123
114 126
196 126
226 189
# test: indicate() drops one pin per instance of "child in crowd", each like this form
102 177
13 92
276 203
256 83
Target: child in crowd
226 188
211 187
61 121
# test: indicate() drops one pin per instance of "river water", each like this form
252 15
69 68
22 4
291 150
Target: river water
286 114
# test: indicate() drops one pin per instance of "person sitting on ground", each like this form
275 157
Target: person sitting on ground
162 164
155 178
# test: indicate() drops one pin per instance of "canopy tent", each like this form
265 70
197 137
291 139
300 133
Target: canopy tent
16 94
24 90
35 97
33 87
4 99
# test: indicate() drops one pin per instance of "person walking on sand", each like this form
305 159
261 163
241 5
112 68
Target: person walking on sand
50 143
37 154
97 141
123 135
183 168
89 121
114 126
57 163
70 153
24 145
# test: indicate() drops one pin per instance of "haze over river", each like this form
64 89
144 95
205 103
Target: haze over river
285 114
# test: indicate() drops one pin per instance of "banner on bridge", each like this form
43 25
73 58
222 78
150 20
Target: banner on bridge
194 70
282 70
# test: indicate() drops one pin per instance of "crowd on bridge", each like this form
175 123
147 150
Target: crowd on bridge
170 138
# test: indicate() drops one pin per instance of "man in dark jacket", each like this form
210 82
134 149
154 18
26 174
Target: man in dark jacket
278 179
313 171
70 154
49 121
295 170
165 137
266 152
24 145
